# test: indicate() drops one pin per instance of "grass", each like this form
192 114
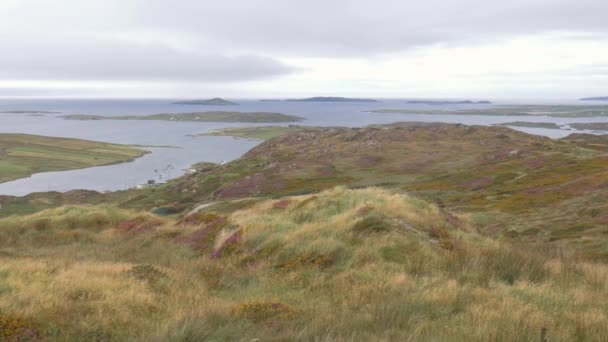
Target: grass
212 116
22 155
366 264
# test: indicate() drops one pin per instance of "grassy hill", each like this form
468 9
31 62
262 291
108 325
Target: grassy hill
414 231
22 155
366 264
521 186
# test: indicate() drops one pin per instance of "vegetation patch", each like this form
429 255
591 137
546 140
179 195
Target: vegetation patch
262 312
17 329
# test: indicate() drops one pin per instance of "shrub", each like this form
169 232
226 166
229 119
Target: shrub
146 273
14 328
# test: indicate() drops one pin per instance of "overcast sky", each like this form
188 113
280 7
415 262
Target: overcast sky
280 48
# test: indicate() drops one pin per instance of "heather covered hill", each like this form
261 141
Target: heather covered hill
517 179
516 185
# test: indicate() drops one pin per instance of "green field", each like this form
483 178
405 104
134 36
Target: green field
22 155
217 116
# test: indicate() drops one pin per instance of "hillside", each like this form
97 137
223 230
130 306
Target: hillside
525 187
340 265
22 155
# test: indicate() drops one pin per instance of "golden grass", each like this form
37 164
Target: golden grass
339 265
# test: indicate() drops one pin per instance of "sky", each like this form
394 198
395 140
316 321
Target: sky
473 49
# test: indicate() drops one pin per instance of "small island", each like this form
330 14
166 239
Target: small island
435 102
22 155
212 102
260 132
331 99
563 111
599 98
214 116
550 125
28 112
591 126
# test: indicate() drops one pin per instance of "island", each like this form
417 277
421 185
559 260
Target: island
591 126
599 98
432 102
331 99
550 125
564 111
212 102
214 116
28 112
263 132
22 155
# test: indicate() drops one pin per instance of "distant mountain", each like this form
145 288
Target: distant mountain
332 99
599 98
432 102
213 102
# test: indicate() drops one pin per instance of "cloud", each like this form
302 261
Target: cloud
305 46
97 59
320 28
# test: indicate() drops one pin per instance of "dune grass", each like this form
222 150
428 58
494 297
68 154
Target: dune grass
22 155
340 265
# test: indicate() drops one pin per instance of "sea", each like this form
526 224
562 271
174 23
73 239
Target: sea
176 146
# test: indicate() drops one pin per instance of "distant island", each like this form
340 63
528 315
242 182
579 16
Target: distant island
550 125
28 112
434 102
591 126
212 102
331 99
217 116
599 98
514 110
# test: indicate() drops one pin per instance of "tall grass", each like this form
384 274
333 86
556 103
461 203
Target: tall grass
339 265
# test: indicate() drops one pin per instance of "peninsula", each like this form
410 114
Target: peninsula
22 155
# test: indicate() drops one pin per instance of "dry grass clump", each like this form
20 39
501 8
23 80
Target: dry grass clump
341 265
